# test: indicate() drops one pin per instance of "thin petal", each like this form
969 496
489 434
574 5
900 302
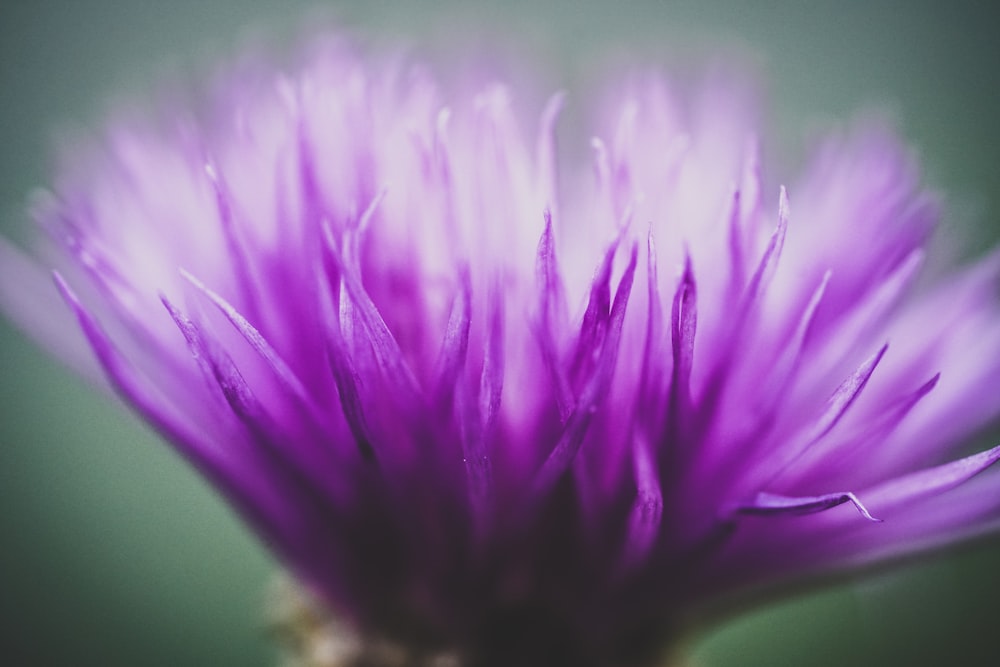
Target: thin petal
771 504
249 496
26 295
931 481
562 455
455 346
551 315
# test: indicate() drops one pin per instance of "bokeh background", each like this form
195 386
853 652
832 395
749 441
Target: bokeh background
113 553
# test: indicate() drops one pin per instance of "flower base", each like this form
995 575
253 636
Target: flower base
311 636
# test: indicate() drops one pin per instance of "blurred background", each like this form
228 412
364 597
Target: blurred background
113 553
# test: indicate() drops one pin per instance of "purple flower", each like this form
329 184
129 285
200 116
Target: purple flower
526 416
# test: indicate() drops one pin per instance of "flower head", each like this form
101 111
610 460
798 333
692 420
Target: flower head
531 416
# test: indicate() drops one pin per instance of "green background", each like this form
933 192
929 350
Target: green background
114 553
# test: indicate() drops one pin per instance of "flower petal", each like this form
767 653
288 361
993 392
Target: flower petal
772 504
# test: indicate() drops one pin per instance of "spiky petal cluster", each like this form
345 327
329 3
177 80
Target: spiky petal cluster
533 429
